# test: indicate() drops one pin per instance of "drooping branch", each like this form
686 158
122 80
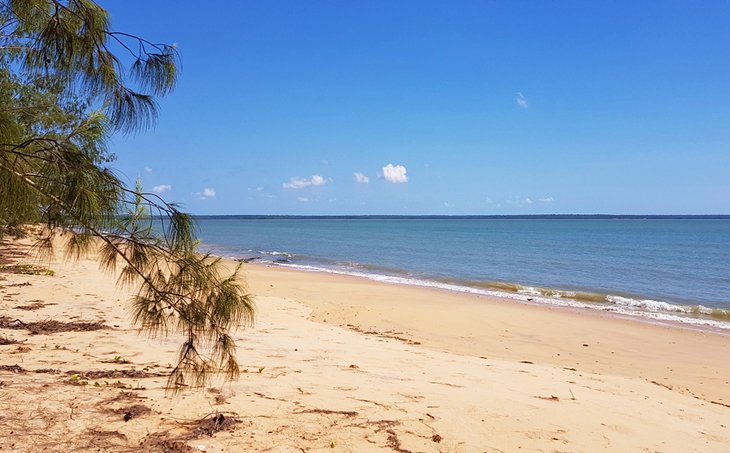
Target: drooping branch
190 287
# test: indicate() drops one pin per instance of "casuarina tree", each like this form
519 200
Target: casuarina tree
68 81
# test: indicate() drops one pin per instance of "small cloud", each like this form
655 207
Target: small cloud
447 204
324 162
162 188
547 199
260 191
206 194
147 170
521 202
300 183
395 174
303 199
521 100
361 178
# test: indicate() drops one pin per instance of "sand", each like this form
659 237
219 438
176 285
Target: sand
338 363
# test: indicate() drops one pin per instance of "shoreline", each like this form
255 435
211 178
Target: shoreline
540 330
696 317
340 363
527 301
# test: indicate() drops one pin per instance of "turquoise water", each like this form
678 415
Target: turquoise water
672 269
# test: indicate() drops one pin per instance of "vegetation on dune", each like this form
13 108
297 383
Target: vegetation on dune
64 89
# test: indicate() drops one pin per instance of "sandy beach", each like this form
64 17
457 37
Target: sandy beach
339 363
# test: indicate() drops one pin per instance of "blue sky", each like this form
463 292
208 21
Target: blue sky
438 107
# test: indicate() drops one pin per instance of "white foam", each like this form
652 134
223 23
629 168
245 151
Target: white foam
648 304
275 253
530 291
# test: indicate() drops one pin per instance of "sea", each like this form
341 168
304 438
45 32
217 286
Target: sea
672 269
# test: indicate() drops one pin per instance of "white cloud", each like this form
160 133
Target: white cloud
162 188
207 193
303 199
324 162
300 183
521 202
147 170
361 178
547 199
259 189
395 173
521 100
524 201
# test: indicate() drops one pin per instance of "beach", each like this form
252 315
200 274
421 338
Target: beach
340 363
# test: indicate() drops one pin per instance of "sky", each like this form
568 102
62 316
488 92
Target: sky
437 107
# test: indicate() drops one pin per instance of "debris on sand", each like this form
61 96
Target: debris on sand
49 326
133 411
7 340
203 427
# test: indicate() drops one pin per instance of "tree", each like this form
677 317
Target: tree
63 91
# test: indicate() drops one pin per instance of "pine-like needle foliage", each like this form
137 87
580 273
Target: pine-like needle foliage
63 90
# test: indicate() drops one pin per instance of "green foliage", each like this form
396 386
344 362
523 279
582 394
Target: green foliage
63 90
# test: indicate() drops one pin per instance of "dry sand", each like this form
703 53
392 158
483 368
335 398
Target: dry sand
345 364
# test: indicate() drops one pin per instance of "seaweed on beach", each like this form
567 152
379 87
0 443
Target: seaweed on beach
211 424
85 375
206 426
50 326
17 369
7 340
394 442
133 411
33 305
547 398
113 374
159 442
104 440
328 412
26 269
17 285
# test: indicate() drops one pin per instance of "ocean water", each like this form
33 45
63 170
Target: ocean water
670 269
